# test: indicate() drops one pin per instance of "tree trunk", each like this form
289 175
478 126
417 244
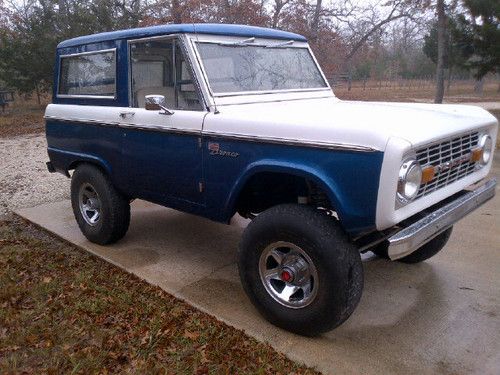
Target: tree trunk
228 17
478 86
37 89
176 11
278 6
441 31
448 86
315 21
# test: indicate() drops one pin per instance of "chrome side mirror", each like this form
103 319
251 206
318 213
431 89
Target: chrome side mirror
157 102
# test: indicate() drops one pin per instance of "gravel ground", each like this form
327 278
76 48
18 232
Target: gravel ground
24 179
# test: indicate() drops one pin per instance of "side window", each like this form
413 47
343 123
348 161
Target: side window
88 74
158 67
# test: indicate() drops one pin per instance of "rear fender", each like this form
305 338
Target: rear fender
64 161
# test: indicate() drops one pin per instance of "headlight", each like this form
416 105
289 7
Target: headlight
410 178
486 144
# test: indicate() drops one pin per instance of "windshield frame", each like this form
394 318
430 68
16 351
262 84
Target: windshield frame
258 43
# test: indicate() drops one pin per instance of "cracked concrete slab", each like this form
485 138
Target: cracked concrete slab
441 316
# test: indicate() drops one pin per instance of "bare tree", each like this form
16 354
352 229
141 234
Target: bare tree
176 11
315 21
278 7
4 16
369 20
441 41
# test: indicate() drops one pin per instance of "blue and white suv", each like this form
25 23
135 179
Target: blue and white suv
216 120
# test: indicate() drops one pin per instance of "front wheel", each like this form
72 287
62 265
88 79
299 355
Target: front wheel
299 269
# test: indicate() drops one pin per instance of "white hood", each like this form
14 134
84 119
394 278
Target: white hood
329 120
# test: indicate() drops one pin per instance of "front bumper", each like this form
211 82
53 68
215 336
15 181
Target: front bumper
412 237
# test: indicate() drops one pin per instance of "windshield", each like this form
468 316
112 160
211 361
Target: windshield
243 68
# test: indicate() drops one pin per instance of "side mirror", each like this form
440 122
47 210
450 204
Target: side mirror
157 102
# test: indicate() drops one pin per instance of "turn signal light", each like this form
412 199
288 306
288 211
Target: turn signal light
428 174
477 155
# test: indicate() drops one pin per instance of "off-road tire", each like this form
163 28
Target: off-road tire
338 264
423 253
115 208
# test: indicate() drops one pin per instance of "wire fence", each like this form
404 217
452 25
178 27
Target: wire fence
344 82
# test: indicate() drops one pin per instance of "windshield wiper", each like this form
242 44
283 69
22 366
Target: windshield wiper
240 43
283 44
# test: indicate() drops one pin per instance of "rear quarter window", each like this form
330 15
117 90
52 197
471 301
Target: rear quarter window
88 74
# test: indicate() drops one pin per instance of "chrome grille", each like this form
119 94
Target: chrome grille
443 152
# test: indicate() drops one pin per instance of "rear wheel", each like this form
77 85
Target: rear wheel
423 253
102 213
299 269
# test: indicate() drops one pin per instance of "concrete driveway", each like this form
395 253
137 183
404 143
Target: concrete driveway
441 316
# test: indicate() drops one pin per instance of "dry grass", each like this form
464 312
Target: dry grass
23 116
462 91
65 311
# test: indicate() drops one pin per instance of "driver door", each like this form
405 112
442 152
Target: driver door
162 155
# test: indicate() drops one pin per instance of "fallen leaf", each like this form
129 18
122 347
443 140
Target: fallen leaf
31 339
202 370
191 335
203 353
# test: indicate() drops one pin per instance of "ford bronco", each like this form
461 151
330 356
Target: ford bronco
218 120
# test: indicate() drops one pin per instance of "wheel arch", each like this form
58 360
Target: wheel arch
306 172
65 161
90 161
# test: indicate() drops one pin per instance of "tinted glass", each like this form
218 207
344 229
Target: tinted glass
239 68
88 74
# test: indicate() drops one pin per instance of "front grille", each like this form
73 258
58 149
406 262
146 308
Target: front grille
443 152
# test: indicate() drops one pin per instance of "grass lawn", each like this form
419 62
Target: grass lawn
63 310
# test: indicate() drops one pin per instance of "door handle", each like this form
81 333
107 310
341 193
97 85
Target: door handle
126 114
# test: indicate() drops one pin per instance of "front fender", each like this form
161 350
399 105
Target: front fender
278 166
349 179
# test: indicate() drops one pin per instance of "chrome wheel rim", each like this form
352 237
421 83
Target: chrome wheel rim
90 204
288 274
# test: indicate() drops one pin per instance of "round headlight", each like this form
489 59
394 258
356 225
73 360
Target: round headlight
410 178
486 144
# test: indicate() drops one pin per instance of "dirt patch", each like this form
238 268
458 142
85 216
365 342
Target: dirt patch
15 124
23 116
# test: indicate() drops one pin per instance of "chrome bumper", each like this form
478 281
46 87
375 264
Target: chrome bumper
419 233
